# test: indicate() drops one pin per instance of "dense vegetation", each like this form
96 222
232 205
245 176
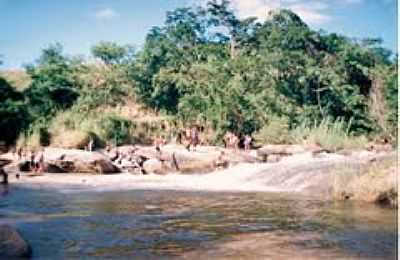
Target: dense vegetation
207 66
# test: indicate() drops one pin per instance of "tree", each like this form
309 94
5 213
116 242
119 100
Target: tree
110 52
13 113
53 87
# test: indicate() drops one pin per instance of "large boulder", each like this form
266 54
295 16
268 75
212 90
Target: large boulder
156 166
78 161
12 245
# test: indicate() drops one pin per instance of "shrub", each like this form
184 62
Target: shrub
77 139
115 129
34 138
276 131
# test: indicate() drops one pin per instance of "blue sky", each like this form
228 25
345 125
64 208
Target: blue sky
27 26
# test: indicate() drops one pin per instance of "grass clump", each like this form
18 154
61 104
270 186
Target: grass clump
375 182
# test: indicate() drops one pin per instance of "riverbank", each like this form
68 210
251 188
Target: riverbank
322 175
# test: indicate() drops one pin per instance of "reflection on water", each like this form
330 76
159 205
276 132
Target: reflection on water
174 224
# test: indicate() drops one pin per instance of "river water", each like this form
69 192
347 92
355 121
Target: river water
153 224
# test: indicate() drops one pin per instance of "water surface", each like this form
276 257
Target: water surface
179 224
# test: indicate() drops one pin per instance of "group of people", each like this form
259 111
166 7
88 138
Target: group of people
190 138
232 141
34 157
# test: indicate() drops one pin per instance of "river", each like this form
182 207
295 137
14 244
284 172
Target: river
148 224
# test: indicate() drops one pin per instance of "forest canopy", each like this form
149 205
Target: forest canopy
204 65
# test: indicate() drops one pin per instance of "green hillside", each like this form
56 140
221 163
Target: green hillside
278 80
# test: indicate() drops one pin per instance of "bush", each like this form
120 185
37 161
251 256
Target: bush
34 138
75 139
275 132
115 129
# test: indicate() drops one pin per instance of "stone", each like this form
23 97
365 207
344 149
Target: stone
12 245
155 166
78 161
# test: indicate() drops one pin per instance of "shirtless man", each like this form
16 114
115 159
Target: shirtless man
187 138
233 141
227 138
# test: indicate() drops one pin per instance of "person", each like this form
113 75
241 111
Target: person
233 141
194 137
221 162
90 144
5 176
227 138
32 156
40 162
108 148
187 138
247 142
19 153
158 142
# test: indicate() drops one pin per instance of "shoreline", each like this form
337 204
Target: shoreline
297 174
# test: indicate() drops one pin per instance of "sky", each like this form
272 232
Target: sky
28 26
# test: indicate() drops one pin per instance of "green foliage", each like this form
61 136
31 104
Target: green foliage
115 129
205 65
110 52
52 86
276 131
330 134
13 113
236 77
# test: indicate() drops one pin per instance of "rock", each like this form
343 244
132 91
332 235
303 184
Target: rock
278 151
12 245
78 161
155 166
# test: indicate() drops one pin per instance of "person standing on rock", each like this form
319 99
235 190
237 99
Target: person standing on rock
90 144
19 153
227 138
40 168
187 138
194 137
158 142
32 156
247 142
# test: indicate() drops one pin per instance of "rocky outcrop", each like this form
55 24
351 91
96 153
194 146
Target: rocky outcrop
175 158
57 160
12 245
79 161
273 153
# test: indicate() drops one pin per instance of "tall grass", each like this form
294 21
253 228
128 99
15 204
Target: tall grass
330 134
376 182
